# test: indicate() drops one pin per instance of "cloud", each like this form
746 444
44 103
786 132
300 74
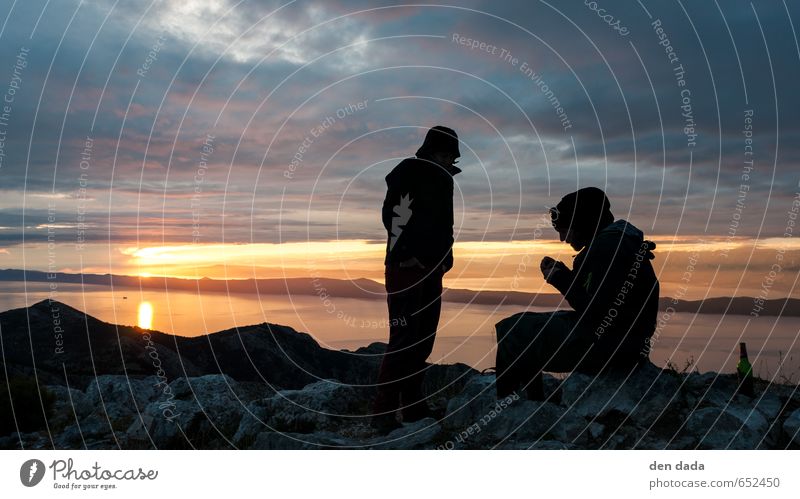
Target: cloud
260 76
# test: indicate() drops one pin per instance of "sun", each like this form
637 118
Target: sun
145 315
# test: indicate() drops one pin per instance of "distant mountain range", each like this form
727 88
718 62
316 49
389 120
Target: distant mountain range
371 290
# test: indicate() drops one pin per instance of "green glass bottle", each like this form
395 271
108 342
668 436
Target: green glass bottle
744 370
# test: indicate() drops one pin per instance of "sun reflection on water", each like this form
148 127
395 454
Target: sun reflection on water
145 315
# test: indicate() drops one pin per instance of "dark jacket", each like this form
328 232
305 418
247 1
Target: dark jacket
614 288
418 213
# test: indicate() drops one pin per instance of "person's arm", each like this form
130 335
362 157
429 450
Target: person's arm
596 280
448 262
557 274
576 293
399 221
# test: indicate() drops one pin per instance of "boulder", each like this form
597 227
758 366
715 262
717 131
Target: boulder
93 428
418 435
320 406
727 428
476 419
469 406
642 396
189 412
273 440
70 404
120 396
791 426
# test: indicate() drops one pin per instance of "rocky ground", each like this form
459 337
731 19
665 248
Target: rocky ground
652 409
268 386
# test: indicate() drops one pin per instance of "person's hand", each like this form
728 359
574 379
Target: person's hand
547 265
550 267
411 263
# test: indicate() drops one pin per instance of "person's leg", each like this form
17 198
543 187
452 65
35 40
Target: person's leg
403 289
530 343
412 397
507 364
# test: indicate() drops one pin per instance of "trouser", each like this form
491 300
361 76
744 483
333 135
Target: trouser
530 342
414 297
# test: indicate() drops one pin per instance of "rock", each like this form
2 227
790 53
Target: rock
630 407
530 421
469 406
697 382
69 438
251 426
138 433
197 412
418 435
478 420
730 428
622 437
446 381
120 396
187 424
723 393
655 442
270 440
26 441
9 442
769 405
69 404
538 445
199 387
166 432
642 396
791 426
92 428
751 418
322 406
595 431
681 443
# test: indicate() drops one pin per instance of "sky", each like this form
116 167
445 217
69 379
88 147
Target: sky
246 139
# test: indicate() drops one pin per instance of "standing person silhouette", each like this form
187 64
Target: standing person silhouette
418 216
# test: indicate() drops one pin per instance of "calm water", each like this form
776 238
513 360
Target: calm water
466 332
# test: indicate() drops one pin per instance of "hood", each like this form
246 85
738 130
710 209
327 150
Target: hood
624 227
632 237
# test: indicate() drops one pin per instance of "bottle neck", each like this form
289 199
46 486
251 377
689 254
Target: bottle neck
742 351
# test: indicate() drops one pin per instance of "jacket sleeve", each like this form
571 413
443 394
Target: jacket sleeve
575 292
592 286
398 218
564 282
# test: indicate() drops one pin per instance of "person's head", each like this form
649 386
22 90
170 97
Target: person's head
580 215
440 146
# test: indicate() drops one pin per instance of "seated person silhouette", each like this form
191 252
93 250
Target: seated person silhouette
613 292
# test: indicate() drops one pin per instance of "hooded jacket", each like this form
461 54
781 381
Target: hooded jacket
615 290
418 213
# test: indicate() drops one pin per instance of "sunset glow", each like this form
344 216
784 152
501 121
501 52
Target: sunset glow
145 315
489 265
158 259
